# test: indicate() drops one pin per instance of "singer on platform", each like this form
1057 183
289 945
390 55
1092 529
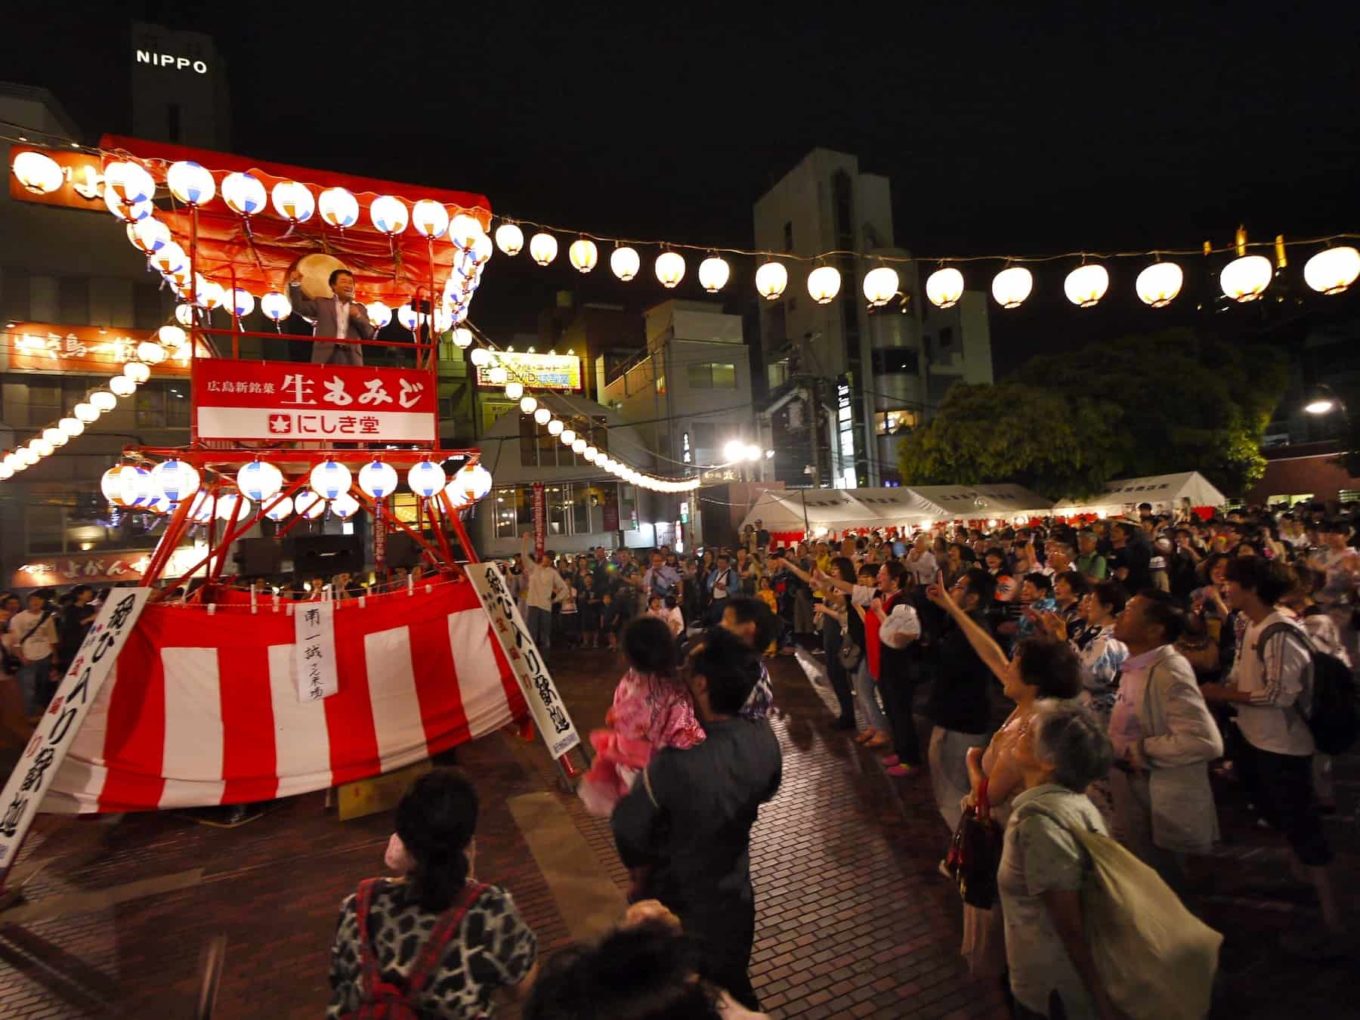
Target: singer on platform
340 317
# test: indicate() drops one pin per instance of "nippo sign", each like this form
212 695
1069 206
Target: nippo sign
288 400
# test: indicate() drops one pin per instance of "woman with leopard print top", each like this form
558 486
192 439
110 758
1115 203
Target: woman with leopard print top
434 938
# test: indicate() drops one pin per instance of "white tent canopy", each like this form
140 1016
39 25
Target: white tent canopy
820 510
1164 492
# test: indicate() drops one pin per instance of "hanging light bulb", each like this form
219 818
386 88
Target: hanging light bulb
880 286
624 263
429 218
1086 285
55 437
771 279
150 352
379 314
122 386
242 302
344 506
175 479
389 215
1011 286
329 478
137 372
339 208
38 172
243 193
543 248
1245 279
542 416
1333 270
555 427
944 287
232 506
714 273
293 201
378 479
670 268
823 284
71 426
190 183
259 480
474 481
102 400
527 404
509 238
86 412
279 509
1159 283
129 182
583 254
426 478
276 306
514 390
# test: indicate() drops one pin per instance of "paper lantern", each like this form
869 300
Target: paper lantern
578 446
122 386
543 248
625 263
176 479
542 416
110 482
480 356
55 437
276 306
429 218
158 504
528 404
514 390
509 238
408 316
149 235
345 506
129 182
425 478
293 201
944 287
443 320
823 284
714 273
6 472
482 249
497 375
474 481
1086 285
555 427
309 504
590 453
41 447
135 487
280 508
880 286
190 183
771 279
389 215
86 413
670 268
259 480
27 457
329 478
464 230
150 352
169 259
462 338
208 294
567 436
1333 270
583 254
379 314
184 314
71 426
232 506
243 193
173 338
38 172
102 400
1246 278
242 302
1159 283
137 372
338 208
378 479
127 213
1011 286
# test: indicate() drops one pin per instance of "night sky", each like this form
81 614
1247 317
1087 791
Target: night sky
1005 128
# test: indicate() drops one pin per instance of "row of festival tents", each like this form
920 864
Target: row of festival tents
816 512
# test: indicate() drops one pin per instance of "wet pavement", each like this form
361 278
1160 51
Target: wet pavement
852 917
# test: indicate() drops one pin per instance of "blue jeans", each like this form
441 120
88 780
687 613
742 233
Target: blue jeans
540 627
867 697
34 682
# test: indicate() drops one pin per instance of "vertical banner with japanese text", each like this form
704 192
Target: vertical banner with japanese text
526 661
61 722
540 520
314 666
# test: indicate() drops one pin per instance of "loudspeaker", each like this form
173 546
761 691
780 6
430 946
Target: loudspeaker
401 551
258 557
326 555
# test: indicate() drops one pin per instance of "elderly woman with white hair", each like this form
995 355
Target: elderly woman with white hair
1043 866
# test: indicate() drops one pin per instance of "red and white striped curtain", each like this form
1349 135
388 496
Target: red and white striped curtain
202 708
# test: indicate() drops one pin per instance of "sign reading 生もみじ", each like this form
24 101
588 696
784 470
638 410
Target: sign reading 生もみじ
288 400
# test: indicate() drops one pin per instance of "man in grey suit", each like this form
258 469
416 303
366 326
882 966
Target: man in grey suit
340 317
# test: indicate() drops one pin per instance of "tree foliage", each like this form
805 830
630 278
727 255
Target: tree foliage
1138 405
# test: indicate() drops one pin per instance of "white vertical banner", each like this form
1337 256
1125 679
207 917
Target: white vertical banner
526 661
314 667
63 718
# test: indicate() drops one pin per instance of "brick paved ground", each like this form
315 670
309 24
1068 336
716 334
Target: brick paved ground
853 920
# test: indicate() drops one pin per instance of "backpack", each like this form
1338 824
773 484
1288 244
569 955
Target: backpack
385 1000
1333 718
1156 959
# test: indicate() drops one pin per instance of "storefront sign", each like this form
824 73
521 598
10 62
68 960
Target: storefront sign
45 347
82 188
535 371
540 519
172 60
526 661
314 665
112 567
61 722
287 400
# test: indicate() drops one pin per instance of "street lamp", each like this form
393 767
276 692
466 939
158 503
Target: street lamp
1322 400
